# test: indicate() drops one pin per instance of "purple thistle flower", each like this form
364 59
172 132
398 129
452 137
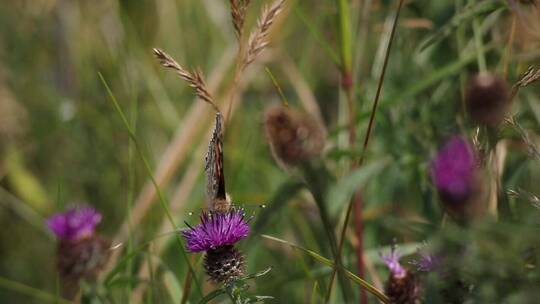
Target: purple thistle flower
392 262
216 230
74 224
452 170
427 262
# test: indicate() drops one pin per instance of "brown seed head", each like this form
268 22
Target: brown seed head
487 99
294 137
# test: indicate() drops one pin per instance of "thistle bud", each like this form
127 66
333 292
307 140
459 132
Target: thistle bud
294 137
81 253
457 176
487 99
402 286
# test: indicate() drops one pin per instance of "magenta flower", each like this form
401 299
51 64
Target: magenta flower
74 224
392 262
216 230
453 168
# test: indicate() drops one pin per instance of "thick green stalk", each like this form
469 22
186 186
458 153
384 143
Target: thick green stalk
316 180
344 24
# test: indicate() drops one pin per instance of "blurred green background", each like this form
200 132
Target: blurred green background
62 142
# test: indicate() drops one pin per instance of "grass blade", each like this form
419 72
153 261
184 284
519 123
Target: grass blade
161 198
325 261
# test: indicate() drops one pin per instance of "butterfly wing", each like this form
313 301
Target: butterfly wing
215 179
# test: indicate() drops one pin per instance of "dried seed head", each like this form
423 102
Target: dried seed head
258 39
224 264
80 259
487 99
294 137
456 174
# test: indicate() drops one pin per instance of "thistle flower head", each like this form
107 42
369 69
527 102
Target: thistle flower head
392 262
74 224
216 230
453 168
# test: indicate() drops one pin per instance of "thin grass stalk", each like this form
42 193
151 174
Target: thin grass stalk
371 120
460 43
187 286
131 194
480 52
31 291
509 46
345 45
148 169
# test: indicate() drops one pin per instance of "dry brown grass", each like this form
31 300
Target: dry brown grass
195 79
238 14
258 39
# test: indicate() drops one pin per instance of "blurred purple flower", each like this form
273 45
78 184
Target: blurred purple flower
426 262
216 230
453 168
74 224
392 262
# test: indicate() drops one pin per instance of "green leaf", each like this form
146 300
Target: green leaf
173 287
468 13
340 193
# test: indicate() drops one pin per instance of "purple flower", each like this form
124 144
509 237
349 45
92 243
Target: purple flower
216 230
392 262
426 262
74 224
453 168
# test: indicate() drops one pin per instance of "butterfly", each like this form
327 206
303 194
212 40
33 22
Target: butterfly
218 200
217 197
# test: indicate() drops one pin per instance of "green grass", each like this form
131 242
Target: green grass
86 114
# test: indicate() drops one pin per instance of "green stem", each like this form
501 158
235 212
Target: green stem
316 179
344 24
460 43
480 53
